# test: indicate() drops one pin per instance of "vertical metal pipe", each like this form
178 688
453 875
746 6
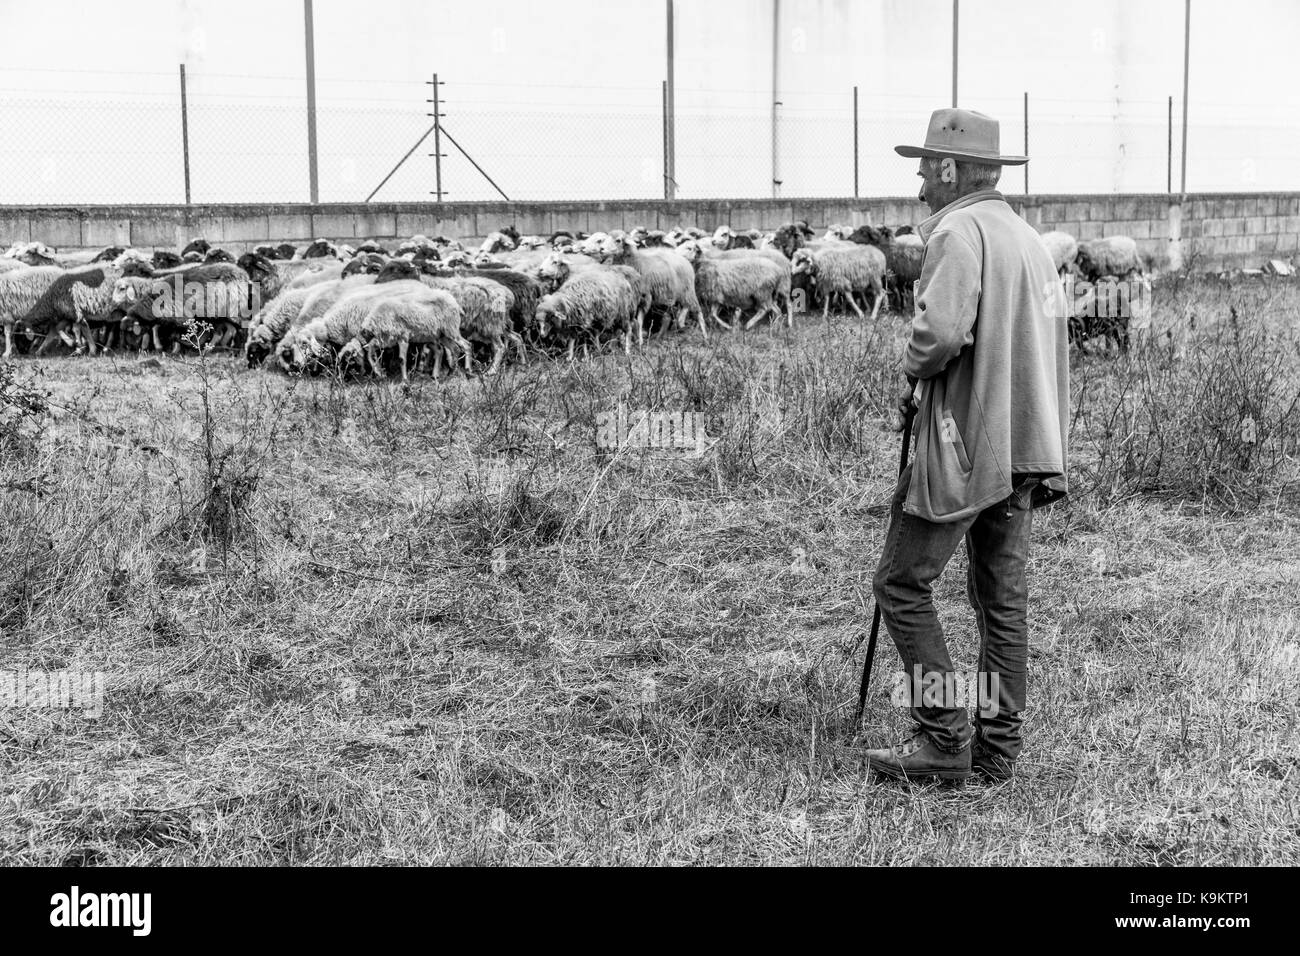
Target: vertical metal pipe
954 54
1169 163
1026 141
1187 59
185 134
776 101
855 142
664 92
437 139
310 30
671 110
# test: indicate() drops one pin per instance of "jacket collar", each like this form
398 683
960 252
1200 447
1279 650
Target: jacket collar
929 225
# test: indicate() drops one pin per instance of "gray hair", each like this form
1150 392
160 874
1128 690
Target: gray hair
972 177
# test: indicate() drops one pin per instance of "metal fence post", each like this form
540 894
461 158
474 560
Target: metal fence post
310 29
954 54
185 134
1187 58
855 142
776 102
671 110
437 138
1169 162
1026 141
667 172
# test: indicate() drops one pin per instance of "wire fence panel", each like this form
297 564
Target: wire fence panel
60 151
92 144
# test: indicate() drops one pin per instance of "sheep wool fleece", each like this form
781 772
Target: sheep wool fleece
990 349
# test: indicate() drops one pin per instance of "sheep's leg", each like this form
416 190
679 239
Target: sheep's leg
157 338
9 340
572 344
713 314
403 347
759 314
826 305
704 332
877 293
46 342
857 309
498 353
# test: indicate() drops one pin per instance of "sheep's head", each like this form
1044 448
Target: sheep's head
199 246
457 259
218 255
36 254
165 259
531 242
321 249
722 237
258 346
547 317
351 354
309 353
553 271
256 265
486 260
788 239
397 271
109 254
692 250
837 231
803 263
123 292
639 236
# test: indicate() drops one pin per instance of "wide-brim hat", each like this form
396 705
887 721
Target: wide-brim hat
962 134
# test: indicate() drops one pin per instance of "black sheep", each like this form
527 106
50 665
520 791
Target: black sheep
199 246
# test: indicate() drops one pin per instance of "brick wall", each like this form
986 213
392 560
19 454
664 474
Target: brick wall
1203 231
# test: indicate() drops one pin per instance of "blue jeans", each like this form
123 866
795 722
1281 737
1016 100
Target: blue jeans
916 552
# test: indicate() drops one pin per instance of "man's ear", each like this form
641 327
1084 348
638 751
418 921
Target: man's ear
948 170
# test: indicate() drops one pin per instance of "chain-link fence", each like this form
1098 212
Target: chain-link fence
126 144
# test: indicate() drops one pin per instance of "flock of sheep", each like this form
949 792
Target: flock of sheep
395 310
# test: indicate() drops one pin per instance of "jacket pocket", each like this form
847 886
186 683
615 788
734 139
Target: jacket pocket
951 435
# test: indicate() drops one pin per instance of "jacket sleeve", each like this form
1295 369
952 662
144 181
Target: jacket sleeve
947 303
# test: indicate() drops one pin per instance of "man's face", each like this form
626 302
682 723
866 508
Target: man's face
936 193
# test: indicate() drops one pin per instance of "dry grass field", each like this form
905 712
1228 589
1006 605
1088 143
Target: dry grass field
357 623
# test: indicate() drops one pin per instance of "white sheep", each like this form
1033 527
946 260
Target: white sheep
425 317
738 283
669 279
20 290
1110 256
308 344
844 271
1063 248
591 301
